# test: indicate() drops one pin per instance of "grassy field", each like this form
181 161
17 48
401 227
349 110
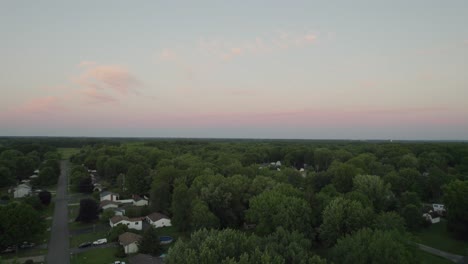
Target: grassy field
75 241
436 236
96 256
66 153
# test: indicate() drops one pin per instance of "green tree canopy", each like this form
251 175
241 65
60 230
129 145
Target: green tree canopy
18 223
368 246
456 201
342 217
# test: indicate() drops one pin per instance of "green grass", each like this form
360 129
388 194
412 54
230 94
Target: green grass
66 153
427 258
437 236
25 253
75 241
96 256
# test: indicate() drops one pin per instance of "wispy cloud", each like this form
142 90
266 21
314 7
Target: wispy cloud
96 96
41 105
281 40
109 77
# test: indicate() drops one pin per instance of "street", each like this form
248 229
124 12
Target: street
59 239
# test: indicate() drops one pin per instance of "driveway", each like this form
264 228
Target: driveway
80 250
59 240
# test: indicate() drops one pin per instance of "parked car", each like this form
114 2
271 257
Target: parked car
8 250
85 244
119 262
100 241
27 245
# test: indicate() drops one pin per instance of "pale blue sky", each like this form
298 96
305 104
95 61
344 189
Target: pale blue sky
306 69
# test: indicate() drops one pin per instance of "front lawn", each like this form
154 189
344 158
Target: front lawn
437 236
96 256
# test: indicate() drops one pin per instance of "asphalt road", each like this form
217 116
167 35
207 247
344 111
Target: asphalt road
59 240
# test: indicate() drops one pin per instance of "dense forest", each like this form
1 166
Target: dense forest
275 201
258 201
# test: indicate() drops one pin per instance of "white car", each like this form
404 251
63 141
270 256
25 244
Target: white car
119 262
100 241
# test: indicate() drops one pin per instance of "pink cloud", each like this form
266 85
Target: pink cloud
41 105
167 54
113 77
364 118
96 96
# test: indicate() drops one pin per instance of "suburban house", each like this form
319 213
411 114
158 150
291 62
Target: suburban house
132 223
144 259
438 208
431 217
136 200
119 211
158 220
21 190
129 241
106 204
110 196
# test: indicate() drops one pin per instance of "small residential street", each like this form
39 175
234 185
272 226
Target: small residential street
59 239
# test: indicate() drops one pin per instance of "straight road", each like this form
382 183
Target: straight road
59 240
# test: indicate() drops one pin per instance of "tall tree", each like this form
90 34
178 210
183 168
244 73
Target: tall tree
375 189
150 243
181 206
45 197
18 223
136 180
456 200
342 217
202 217
6 177
367 246
272 209
89 211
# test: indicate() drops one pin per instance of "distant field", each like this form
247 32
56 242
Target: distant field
436 236
68 152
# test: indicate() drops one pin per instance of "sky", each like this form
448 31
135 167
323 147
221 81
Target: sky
235 69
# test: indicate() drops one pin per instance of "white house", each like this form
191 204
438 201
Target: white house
110 196
132 223
119 211
106 204
130 242
158 220
135 201
21 190
438 208
138 201
431 219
